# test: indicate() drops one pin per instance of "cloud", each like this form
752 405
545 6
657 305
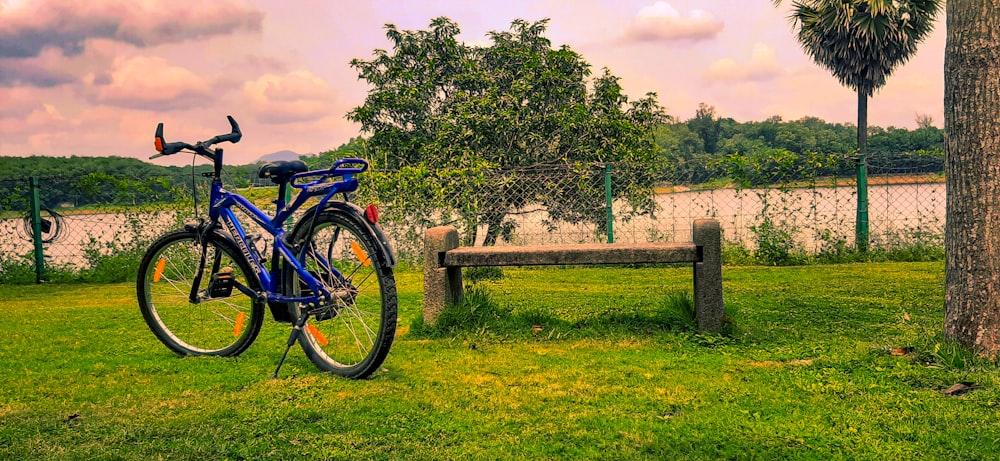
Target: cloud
293 97
32 72
763 65
28 28
144 82
660 22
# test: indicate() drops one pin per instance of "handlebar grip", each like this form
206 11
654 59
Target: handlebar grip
235 136
200 148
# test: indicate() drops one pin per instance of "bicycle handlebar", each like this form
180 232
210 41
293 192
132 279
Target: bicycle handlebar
200 147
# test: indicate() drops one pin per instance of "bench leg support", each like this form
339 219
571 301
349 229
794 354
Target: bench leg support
442 285
708 304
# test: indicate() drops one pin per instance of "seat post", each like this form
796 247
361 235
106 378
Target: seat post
282 191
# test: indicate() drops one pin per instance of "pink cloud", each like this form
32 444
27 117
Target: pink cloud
151 83
763 65
30 27
293 97
660 22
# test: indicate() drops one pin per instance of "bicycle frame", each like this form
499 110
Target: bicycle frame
222 202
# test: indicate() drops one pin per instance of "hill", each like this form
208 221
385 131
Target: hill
280 155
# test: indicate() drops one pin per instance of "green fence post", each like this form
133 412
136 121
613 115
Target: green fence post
608 201
861 225
36 230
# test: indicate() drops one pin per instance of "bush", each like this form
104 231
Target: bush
776 245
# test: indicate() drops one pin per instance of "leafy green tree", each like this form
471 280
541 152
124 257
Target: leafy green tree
861 42
355 147
478 119
708 127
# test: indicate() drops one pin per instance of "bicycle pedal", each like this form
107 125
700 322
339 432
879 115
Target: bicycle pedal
222 283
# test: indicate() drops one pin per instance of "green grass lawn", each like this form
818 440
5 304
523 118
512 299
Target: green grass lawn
580 365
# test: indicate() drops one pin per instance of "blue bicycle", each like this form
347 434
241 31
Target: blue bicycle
202 288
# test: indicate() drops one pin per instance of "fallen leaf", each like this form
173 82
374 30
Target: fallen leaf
960 388
902 351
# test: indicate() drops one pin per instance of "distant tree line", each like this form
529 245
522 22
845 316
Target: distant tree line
707 147
85 181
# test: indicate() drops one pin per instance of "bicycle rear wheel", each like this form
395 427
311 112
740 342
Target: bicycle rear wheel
223 321
352 334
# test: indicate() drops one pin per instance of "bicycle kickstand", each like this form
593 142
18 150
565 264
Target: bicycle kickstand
296 331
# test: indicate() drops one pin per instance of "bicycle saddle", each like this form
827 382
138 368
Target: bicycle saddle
280 170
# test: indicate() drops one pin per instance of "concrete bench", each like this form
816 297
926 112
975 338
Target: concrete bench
444 260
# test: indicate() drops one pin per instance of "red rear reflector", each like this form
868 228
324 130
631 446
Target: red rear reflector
159 144
371 214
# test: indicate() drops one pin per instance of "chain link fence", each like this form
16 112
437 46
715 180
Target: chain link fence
89 222
905 208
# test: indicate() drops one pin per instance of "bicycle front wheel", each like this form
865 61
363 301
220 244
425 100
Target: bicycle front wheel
222 320
351 335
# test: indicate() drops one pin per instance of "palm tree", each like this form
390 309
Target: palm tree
861 42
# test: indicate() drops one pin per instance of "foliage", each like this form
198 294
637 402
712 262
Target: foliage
443 110
477 311
812 148
18 270
862 41
776 244
355 147
707 126
86 181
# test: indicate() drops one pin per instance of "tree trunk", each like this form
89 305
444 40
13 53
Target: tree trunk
972 127
861 224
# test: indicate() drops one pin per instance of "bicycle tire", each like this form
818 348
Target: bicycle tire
223 323
352 337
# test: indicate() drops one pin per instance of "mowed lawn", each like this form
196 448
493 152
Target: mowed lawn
825 362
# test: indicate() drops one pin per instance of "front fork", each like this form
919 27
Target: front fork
201 233
222 283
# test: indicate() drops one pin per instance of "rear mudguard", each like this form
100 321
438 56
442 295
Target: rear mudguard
282 312
353 212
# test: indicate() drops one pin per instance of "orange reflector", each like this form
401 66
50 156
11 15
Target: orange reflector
316 334
360 253
159 144
158 273
238 328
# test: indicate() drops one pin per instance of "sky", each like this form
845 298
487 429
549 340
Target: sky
93 78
